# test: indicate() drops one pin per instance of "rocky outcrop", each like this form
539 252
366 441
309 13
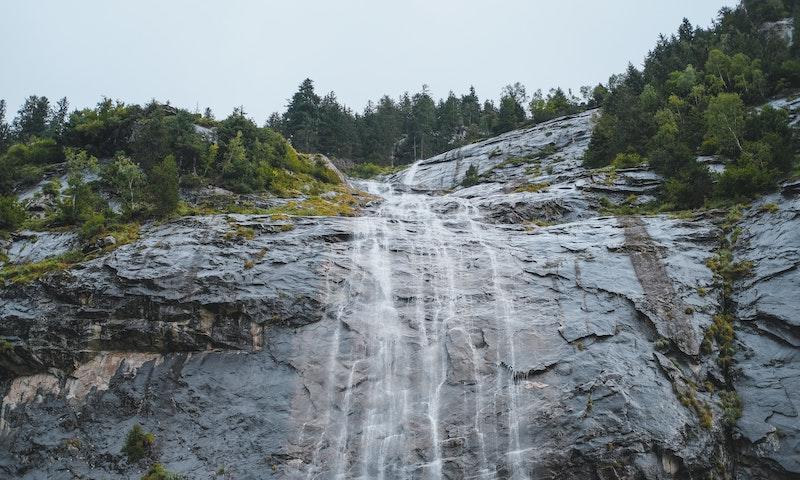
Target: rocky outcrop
194 284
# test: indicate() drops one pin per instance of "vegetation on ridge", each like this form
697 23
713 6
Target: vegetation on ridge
697 95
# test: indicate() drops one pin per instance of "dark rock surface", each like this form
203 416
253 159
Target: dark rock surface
486 332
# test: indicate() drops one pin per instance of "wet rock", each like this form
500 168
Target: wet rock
28 246
768 336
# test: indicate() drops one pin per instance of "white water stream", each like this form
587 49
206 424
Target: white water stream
414 387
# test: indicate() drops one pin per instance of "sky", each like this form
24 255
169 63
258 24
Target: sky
255 53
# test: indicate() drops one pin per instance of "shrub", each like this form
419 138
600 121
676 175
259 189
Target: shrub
138 444
731 405
11 213
627 160
471 177
52 188
158 472
690 187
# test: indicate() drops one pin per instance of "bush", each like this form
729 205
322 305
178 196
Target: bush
93 225
11 213
138 444
745 179
627 160
366 170
471 177
689 188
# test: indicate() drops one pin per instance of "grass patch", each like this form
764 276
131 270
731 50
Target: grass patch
159 472
29 272
344 204
769 208
533 187
371 170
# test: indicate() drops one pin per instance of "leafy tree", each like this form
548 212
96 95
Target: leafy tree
104 130
208 161
127 180
164 191
725 121
138 444
80 202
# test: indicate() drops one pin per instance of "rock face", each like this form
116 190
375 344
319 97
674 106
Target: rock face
769 333
505 330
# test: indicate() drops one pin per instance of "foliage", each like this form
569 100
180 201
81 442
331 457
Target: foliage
158 472
402 130
533 187
138 444
164 186
343 204
696 94
471 177
127 179
11 213
369 170
627 160
80 201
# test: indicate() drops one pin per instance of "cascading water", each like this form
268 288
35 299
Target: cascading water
419 383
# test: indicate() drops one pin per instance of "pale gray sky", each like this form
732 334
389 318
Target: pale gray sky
255 52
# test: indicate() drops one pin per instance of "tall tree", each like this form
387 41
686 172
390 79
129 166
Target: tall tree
164 185
5 133
725 120
32 118
301 120
511 113
57 120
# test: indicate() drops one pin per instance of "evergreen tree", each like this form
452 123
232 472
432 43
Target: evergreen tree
471 108
301 120
5 132
423 124
449 123
511 113
164 190
32 118
57 121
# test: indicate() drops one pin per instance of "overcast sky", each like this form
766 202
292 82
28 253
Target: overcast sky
256 52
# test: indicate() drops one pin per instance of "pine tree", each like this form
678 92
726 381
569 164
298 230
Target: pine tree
32 118
301 120
57 121
5 133
164 185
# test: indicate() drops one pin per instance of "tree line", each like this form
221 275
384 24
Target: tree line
415 126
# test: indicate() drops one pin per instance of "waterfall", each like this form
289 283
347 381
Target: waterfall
417 382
